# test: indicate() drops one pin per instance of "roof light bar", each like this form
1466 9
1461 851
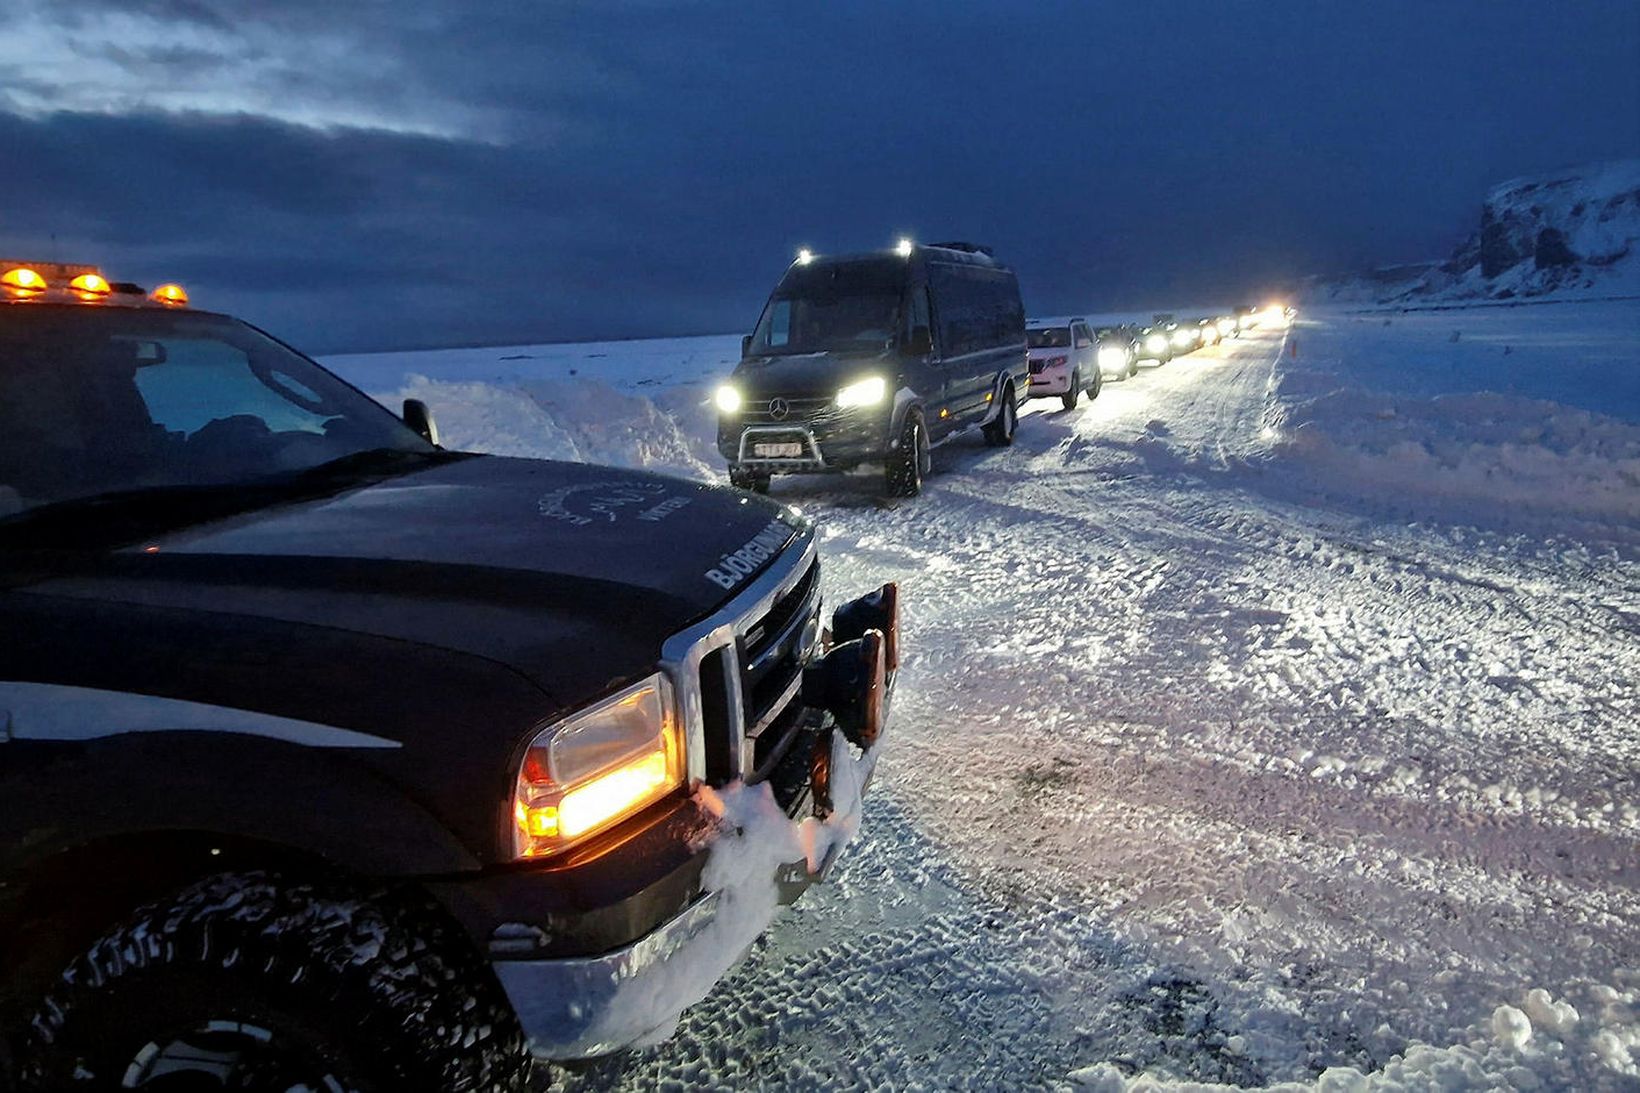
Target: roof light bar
805 256
904 247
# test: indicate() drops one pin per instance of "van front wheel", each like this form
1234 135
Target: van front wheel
1000 433
905 469
749 480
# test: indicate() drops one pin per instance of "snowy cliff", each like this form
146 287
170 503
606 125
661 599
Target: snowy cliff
1568 234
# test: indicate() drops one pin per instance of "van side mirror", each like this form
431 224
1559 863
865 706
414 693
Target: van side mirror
919 343
420 418
745 345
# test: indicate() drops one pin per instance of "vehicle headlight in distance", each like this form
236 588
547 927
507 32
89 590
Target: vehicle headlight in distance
1112 357
866 392
597 767
1156 343
728 399
1226 326
1181 337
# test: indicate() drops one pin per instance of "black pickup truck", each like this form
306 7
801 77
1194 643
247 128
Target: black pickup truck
331 759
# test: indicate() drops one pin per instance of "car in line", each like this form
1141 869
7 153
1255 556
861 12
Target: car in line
1064 360
1118 351
333 759
1155 344
877 358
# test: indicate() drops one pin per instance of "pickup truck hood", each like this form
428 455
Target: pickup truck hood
573 575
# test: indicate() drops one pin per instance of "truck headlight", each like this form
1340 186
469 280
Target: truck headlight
596 767
866 392
1112 358
728 399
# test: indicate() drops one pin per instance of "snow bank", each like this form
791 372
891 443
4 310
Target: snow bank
1477 456
1543 1044
1520 418
585 420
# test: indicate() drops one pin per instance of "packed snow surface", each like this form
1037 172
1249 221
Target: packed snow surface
1269 721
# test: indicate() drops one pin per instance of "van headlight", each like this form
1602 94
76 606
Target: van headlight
867 392
728 399
597 767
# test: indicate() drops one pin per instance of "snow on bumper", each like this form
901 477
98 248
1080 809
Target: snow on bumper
585 1007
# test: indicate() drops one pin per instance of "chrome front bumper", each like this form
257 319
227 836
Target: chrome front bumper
589 1006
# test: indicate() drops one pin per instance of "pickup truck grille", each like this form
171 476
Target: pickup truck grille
749 682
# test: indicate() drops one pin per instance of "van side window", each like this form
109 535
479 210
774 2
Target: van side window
916 312
979 308
780 323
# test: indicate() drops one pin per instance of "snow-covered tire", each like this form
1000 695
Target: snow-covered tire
1070 398
904 471
280 986
749 480
1000 433
1097 385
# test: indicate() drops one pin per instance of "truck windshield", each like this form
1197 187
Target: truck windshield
1049 337
104 401
850 306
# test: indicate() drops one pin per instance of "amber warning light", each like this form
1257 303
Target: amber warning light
62 282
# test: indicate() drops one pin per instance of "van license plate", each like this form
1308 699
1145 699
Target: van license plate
792 450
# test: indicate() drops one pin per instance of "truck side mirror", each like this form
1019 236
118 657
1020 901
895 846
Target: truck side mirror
745 345
420 418
919 343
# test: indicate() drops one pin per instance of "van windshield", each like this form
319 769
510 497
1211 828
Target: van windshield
1049 337
843 307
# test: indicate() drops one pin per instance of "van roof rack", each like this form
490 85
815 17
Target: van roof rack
966 248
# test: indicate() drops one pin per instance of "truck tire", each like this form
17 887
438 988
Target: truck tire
243 981
1000 433
1070 398
904 470
749 480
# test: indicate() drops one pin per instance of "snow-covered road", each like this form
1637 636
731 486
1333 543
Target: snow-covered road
1204 767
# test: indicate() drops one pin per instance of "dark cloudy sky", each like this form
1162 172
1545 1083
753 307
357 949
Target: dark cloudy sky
356 174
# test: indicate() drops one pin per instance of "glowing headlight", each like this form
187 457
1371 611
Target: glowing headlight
1112 358
597 767
1226 327
1156 343
728 399
866 392
1182 338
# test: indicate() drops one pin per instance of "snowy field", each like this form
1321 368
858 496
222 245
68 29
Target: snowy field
1273 719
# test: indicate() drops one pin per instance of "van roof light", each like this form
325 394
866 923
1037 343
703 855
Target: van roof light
904 247
804 256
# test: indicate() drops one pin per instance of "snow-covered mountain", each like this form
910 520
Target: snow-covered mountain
1571 233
